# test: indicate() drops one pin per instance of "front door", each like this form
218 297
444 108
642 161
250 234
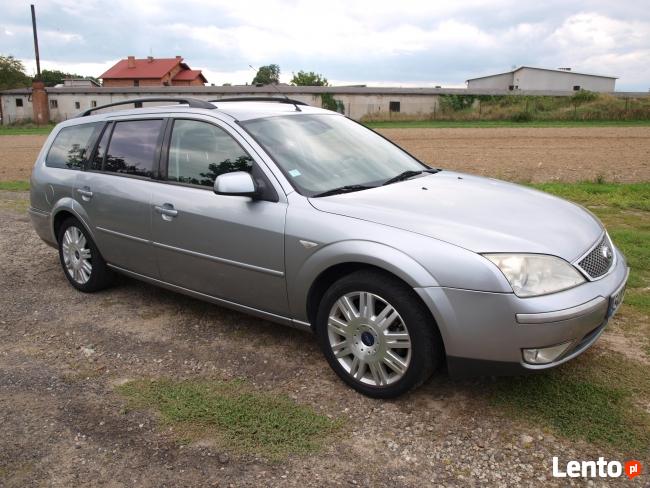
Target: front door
225 246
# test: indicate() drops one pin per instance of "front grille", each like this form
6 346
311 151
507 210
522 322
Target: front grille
599 260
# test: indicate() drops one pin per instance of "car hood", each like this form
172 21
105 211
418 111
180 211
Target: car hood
479 214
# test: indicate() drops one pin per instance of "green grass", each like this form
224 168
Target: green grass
27 129
442 124
18 185
234 415
594 398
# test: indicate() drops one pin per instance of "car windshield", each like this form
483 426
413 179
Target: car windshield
320 153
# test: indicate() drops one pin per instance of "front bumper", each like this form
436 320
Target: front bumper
484 333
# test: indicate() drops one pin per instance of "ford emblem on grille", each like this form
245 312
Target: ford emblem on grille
606 252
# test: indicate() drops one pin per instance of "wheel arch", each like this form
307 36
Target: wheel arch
68 208
332 262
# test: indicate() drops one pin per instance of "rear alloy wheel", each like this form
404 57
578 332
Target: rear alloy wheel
80 259
377 335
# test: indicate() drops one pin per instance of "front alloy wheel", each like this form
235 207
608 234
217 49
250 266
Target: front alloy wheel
369 338
377 335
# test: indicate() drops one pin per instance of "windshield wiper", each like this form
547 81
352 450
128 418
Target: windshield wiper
406 175
343 189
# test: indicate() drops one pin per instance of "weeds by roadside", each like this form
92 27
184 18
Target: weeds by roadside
234 415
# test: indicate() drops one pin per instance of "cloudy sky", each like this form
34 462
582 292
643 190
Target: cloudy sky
376 42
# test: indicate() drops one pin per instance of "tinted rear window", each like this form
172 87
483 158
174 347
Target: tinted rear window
70 146
133 147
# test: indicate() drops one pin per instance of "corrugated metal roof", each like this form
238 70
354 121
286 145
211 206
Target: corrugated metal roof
144 68
542 69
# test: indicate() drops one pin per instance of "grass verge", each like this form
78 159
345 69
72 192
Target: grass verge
478 124
17 185
234 415
27 129
594 398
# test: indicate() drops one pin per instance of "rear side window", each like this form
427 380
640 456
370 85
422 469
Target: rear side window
70 146
199 152
133 147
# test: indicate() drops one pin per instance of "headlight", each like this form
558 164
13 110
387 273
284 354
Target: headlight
536 274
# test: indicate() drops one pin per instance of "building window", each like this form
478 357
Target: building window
394 106
136 82
54 104
511 87
137 104
77 105
576 87
19 102
93 103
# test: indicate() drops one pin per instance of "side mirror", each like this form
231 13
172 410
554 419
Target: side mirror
236 184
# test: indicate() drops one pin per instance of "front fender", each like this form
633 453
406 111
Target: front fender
353 251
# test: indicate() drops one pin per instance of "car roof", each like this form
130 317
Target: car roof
255 110
236 110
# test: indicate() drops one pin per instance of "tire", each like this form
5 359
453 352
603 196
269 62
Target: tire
382 350
82 263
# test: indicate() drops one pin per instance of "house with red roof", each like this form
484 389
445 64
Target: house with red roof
152 72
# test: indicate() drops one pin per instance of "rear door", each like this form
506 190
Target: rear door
229 247
115 192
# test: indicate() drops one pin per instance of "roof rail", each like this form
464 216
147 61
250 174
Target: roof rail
192 102
260 99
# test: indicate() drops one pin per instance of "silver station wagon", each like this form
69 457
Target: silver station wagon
304 217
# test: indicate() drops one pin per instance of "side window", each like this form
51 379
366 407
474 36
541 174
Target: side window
199 152
69 147
133 147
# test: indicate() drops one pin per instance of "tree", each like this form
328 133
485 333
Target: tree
267 75
302 78
12 73
53 77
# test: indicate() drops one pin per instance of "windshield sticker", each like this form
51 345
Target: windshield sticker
294 172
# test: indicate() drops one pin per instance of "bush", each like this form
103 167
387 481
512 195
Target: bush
522 117
456 102
583 96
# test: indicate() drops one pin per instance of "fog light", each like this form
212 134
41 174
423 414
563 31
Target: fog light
545 355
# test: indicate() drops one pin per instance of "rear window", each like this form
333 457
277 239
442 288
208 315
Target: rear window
133 147
70 146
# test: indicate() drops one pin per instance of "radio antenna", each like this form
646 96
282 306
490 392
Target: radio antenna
278 90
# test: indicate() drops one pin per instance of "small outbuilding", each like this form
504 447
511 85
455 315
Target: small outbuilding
528 78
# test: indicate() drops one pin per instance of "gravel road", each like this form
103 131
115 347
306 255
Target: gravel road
63 352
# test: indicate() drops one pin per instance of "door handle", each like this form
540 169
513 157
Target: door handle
85 193
167 211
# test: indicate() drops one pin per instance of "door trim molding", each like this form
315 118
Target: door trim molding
125 236
230 262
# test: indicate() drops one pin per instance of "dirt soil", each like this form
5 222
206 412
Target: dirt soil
63 424
519 154
617 154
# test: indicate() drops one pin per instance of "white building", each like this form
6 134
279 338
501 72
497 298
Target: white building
527 78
